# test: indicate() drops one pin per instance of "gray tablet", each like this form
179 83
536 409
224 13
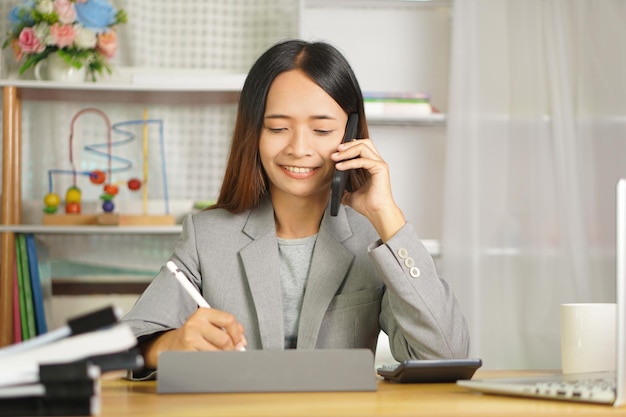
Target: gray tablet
266 371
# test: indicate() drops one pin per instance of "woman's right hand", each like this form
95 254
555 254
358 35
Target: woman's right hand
206 329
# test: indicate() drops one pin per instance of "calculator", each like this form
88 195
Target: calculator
430 370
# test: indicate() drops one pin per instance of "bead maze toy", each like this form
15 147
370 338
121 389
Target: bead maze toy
73 215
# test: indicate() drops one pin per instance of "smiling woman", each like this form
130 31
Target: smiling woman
245 181
279 271
300 132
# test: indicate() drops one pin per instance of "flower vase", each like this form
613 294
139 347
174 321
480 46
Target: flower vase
55 68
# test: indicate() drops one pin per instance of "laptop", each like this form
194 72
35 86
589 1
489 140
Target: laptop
599 387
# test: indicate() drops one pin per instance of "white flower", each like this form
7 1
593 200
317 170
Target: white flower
45 6
85 38
42 31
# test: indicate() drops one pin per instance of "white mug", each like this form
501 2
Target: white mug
588 342
54 68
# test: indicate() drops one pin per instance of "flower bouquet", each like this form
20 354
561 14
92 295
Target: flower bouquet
81 32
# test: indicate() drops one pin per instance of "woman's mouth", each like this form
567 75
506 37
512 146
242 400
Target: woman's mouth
298 170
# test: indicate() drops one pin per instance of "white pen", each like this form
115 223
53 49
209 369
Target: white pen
189 288
187 285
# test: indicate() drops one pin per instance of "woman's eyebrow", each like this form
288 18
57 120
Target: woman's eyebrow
313 117
323 117
276 116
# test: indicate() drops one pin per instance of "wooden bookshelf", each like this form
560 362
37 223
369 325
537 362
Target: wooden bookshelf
214 88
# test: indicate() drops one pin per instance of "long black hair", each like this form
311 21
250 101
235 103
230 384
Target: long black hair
245 180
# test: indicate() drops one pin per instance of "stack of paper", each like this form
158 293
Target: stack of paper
67 389
58 373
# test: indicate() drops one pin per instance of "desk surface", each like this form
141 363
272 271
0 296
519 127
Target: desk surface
123 398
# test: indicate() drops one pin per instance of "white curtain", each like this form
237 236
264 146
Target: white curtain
536 143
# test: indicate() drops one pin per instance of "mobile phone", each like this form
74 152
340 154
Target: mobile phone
340 178
430 371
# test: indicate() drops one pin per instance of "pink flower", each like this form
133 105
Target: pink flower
107 43
63 35
29 43
65 10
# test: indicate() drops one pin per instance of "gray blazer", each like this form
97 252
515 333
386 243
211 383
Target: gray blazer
356 286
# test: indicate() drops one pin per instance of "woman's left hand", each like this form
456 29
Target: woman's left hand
374 199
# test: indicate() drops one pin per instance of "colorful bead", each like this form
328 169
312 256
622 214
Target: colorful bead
97 176
108 206
134 184
72 208
52 200
73 195
111 189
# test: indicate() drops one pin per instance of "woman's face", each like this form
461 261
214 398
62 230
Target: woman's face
302 126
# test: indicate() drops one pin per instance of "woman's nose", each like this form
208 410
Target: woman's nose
299 143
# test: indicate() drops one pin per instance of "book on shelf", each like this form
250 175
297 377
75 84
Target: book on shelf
397 105
27 309
29 317
17 314
35 280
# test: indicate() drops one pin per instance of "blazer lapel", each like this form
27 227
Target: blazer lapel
261 263
329 266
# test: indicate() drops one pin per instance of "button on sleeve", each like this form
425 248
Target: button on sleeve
415 272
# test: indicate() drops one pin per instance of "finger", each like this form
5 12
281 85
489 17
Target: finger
234 330
218 329
243 344
373 166
364 147
354 151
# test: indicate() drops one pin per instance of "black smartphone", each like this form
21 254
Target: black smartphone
340 178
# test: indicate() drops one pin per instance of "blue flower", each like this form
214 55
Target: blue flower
21 15
96 15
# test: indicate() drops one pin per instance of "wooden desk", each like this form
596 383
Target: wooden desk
123 398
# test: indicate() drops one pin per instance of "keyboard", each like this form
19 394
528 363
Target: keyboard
593 389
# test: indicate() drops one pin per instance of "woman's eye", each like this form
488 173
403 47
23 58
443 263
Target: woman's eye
323 132
276 129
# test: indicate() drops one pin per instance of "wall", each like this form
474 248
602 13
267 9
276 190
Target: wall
397 46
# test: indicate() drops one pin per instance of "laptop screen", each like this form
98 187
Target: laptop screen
620 256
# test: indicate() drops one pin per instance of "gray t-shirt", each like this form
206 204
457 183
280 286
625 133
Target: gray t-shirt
295 262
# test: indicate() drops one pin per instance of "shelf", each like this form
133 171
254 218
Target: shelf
435 119
376 3
81 230
180 87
